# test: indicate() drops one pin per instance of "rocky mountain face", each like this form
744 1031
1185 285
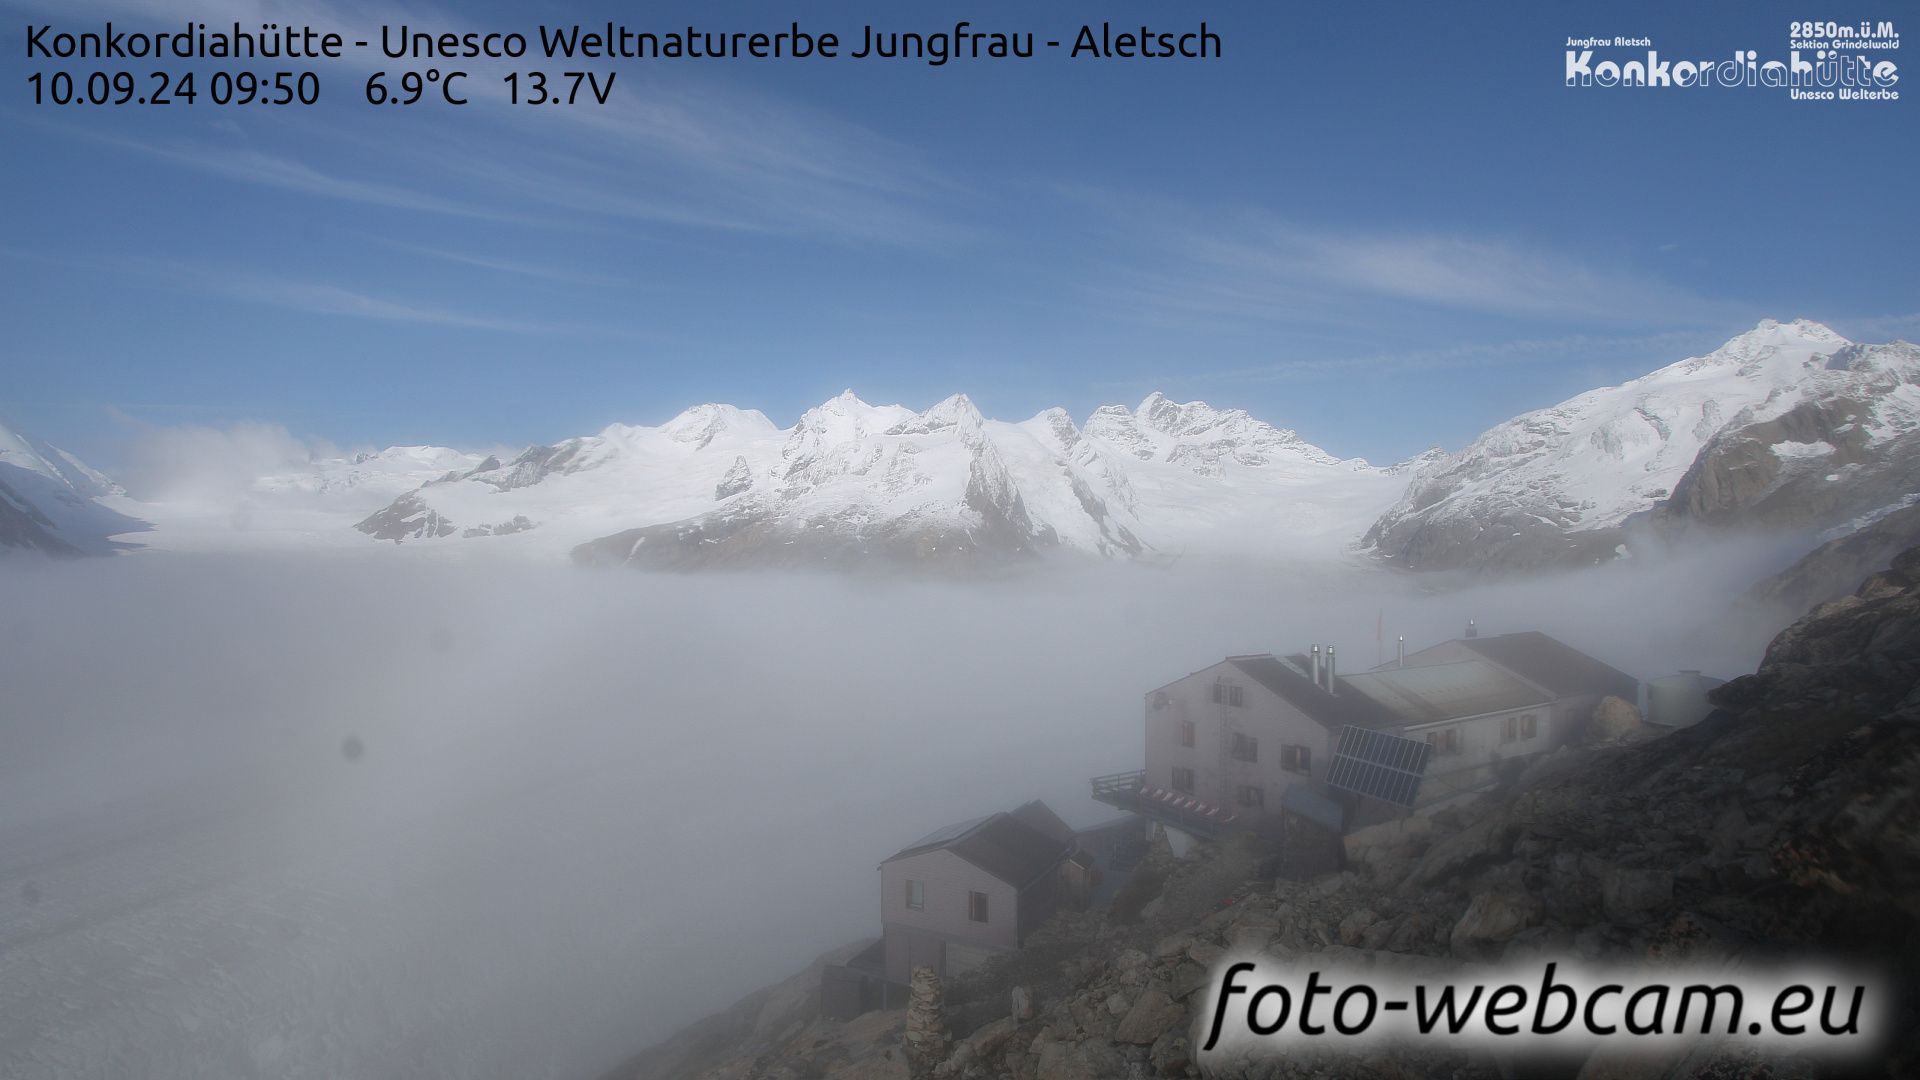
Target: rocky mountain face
1787 425
854 484
1848 557
1785 826
49 501
1843 441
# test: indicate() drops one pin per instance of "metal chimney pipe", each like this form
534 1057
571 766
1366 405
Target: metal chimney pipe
1330 669
1400 651
1316 665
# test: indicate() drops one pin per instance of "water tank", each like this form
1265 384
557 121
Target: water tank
1678 701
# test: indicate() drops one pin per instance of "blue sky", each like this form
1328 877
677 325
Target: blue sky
1385 225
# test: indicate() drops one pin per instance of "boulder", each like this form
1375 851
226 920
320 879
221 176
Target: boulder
1490 919
1171 1053
1252 933
981 1046
1354 927
1149 1018
1488 839
1613 719
1410 933
1090 1060
1631 895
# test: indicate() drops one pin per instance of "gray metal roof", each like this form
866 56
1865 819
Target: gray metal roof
1421 695
1289 679
1001 844
945 833
1551 663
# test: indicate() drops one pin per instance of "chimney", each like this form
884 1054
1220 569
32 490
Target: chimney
1316 665
1400 651
1472 630
1329 669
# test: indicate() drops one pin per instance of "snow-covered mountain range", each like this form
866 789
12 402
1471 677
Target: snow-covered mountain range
851 482
1786 425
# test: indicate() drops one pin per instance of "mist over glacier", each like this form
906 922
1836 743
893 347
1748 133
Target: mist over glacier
352 815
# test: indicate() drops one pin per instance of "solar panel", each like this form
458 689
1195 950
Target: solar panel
1375 764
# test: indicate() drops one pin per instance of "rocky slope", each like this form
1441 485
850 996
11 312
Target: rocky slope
49 501
1787 425
1837 567
1786 825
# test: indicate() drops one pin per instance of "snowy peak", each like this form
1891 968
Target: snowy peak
953 413
702 424
1559 484
1164 415
1772 349
1772 334
49 501
55 464
1055 429
845 418
1201 438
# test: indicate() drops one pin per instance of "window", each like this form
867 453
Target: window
917 895
1444 742
1245 747
1252 796
1510 730
1297 759
1183 780
1186 733
1226 693
1529 726
977 906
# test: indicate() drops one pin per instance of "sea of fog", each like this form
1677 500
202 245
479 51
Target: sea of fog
386 817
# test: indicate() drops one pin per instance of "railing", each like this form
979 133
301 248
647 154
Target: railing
1118 783
1129 791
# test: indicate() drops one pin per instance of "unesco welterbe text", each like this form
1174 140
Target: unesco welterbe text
960 41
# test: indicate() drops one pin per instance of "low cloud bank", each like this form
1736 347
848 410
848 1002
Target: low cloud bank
381 817
194 463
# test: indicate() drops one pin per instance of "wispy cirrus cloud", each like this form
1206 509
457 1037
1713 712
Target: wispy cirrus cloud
288 174
1657 348
1252 264
507 265
326 298
676 150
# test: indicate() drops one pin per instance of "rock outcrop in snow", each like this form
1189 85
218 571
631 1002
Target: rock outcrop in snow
1844 440
1749 433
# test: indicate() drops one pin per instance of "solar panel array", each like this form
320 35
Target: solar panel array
1378 765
